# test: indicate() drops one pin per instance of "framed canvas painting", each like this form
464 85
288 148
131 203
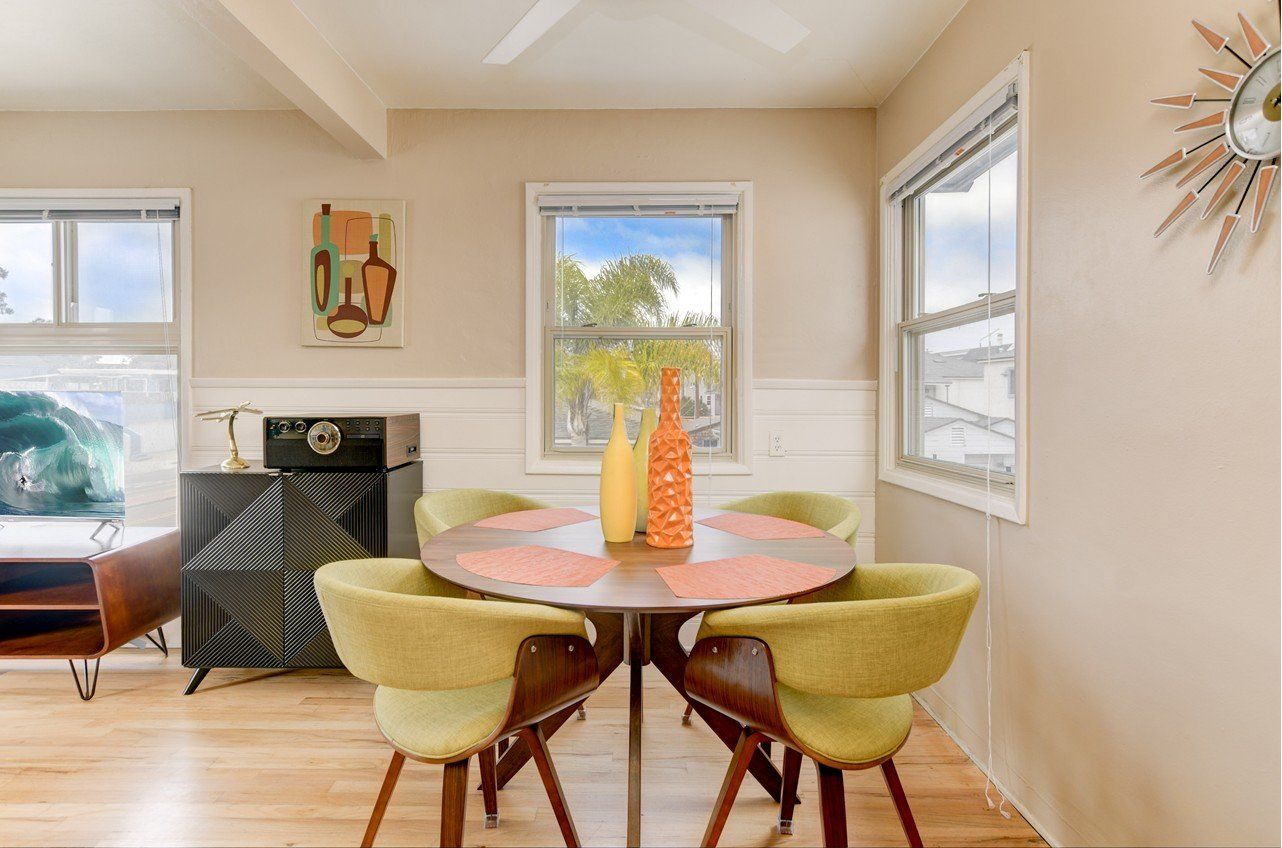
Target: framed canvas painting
355 257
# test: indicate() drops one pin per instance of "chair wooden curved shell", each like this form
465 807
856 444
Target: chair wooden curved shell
831 680
455 676
828 513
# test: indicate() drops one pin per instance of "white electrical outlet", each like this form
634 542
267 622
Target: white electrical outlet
776 443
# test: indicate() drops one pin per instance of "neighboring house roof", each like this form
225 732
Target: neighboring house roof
932 424
937 409
965 364
928 424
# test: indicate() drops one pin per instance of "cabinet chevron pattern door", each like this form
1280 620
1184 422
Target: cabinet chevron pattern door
252 541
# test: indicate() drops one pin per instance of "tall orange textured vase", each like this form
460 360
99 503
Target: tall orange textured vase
670 523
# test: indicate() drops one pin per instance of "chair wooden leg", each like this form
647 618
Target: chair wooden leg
743 752
384 795
685 716
832 805
543 759
901 803
791 777
454 803
503 743
489 785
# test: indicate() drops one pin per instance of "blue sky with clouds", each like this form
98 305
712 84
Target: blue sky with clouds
123 271
959 247
692 246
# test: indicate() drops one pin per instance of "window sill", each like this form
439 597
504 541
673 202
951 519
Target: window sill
592 466
1006 507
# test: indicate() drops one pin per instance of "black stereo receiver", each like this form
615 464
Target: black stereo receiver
339 442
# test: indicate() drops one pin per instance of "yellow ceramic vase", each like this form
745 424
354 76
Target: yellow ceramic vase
641 466
618 484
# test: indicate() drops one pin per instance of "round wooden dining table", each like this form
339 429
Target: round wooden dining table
635 615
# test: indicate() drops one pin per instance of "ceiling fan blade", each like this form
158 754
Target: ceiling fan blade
534 24
759 19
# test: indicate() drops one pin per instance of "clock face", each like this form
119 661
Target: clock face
1253 128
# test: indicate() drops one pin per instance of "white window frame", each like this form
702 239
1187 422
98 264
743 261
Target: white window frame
1008 502
538 460
121 337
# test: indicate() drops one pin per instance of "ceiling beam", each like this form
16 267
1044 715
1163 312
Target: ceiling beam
278 42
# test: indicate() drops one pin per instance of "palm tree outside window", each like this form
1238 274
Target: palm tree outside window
626 294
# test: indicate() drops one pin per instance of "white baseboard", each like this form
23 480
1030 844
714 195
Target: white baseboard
1024 799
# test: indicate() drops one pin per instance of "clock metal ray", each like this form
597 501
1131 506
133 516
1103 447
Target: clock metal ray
1248 138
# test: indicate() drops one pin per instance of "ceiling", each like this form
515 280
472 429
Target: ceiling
150 54
119 54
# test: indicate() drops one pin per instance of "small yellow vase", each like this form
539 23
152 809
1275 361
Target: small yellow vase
618 484
641 466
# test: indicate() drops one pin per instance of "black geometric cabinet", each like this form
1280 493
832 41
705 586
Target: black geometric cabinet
251 541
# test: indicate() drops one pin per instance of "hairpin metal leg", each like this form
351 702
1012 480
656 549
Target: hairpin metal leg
196 676
90 687
162 645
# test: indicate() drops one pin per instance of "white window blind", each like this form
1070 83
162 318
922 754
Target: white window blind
613 206
24 210
999 109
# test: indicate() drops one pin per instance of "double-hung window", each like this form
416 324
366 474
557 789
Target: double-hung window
89 303
625 283
954 350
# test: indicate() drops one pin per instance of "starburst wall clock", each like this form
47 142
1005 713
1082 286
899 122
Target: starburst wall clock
1247 135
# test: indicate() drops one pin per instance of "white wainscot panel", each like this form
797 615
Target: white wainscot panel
473 435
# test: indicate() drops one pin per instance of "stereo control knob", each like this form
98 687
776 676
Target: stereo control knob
300 426
323 437
282 426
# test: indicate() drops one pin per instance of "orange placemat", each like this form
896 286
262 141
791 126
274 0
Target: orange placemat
752 576
533 520
535 565
761 527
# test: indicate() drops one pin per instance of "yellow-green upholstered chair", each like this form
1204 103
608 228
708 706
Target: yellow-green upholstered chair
829 513
436 512
831 680
455 676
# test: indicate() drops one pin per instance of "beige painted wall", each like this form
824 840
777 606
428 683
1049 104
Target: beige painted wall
463 173
1136 615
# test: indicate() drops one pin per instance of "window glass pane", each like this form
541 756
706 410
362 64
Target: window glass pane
26 273
592 374
149 385
967 218
961 398
124 272
638 272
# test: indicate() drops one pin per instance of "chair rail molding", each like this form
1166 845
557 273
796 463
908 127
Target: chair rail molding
474 434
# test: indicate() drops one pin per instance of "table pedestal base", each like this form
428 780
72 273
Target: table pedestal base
639 639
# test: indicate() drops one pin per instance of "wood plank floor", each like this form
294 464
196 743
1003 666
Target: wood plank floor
273 758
